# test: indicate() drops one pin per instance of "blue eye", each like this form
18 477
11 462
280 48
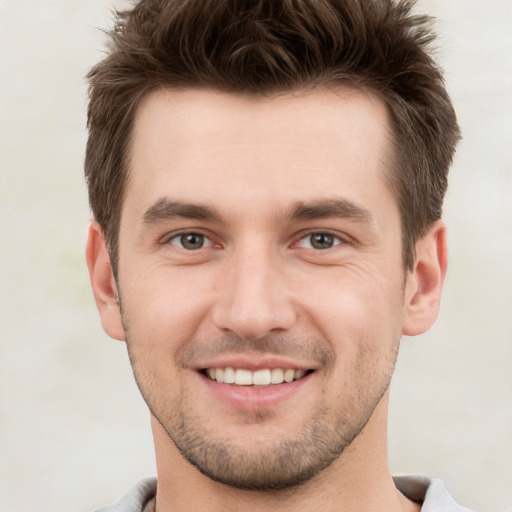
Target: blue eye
190 241
319 241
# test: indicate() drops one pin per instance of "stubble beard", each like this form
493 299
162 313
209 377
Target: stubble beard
280 464
274 465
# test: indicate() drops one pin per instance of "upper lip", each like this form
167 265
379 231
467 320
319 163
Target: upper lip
254 363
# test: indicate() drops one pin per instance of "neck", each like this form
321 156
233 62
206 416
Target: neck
359 480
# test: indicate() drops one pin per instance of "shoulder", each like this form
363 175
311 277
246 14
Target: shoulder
430 492
137 499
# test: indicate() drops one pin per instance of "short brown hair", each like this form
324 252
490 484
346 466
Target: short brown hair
271 46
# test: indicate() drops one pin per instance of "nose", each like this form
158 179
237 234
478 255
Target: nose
253 296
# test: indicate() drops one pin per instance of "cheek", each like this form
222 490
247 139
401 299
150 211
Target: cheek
161 315
350 300
162 308
360 317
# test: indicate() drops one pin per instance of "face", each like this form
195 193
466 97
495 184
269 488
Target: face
260 277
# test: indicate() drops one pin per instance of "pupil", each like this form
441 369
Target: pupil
322 241
192 241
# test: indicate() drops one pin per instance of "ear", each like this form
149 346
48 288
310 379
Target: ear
425 282
103 283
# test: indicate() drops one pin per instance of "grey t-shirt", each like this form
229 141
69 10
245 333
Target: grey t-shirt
431 492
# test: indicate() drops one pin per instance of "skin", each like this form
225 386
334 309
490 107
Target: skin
257 177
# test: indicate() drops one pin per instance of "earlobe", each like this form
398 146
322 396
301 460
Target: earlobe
425 282
103 283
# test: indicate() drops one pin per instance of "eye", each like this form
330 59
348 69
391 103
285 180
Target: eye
190 241
319 241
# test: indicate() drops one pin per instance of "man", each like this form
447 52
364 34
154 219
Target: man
267 180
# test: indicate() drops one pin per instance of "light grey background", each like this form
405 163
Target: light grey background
74 431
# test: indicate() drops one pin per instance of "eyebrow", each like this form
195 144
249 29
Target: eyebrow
331 208
164 209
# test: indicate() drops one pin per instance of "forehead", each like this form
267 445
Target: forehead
206 146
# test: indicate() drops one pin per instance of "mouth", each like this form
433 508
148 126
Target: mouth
258 378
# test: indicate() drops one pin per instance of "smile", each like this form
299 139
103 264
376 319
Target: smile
263 377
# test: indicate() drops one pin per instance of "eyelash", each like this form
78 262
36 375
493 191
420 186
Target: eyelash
337 240
181 234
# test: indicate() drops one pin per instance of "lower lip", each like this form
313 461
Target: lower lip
254 398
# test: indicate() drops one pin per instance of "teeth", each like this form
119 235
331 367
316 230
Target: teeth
276 376
288 375
264 377
229 376
261 378
243 377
